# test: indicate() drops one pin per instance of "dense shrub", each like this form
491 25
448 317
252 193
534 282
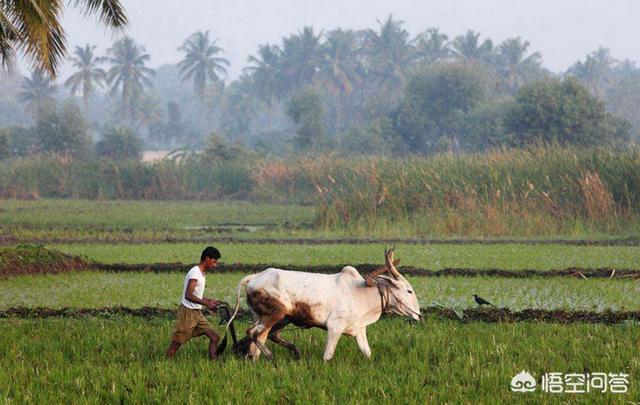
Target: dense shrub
63 131
5 151
305 110
120 143
22 141
564 112
434 104
483 128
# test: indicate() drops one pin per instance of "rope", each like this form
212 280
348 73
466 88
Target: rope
384 306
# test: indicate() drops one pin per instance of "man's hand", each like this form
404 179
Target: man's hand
212 304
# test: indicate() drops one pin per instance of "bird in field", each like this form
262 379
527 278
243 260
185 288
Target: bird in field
481 301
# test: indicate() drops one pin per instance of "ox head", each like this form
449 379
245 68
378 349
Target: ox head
399 294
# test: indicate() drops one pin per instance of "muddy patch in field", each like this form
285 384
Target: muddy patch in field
488 315
227 228
493 315
34 259
365 268
120 236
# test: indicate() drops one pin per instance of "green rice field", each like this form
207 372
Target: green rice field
146 214
120 359
502 256
103 289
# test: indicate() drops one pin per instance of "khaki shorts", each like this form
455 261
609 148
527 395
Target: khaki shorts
189 323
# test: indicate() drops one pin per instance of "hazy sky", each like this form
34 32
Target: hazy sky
562 30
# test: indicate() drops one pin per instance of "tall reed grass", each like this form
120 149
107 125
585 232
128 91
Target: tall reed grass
52 176
538 190
533 191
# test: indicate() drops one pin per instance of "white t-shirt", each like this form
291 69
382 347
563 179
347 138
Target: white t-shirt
196 274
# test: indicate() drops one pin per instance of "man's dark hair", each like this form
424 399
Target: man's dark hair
210 251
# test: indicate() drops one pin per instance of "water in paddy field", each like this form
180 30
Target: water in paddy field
226 228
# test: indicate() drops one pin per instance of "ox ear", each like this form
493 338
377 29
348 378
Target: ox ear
370 278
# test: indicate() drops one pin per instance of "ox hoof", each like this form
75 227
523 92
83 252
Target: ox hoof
266 352
268 355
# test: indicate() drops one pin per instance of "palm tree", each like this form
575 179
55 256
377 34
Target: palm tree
594 70
300 58
34 26
432 46
338 69
390 53
512 63
239 108
37 92
200 62
626 69
128 74
265 73
148 110
89 75
468 48
266 76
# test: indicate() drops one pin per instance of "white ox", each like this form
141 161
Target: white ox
343 304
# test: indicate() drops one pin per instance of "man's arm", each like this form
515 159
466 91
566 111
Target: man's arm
211 304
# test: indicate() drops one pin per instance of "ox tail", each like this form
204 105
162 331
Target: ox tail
242 284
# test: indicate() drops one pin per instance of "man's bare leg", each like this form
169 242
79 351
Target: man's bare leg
213 344
173 348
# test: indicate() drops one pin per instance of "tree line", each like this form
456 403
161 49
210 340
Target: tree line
378 90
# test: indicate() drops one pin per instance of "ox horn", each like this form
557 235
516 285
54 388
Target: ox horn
390 263
369 279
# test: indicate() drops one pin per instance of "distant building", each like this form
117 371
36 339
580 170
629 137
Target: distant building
150 156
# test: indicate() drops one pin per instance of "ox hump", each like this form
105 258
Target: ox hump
350 272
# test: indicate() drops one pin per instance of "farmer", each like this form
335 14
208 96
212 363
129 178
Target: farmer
190 321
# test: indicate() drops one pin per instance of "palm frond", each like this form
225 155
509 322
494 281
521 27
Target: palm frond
8 35
34 28
110 12
43 39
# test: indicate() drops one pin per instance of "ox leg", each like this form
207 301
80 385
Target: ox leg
363 343
253 352
333 335
256 332
275 337
261 333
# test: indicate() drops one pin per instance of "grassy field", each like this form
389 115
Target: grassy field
98 289
276 233
146 214
49 219
121 360
116 358
504 256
